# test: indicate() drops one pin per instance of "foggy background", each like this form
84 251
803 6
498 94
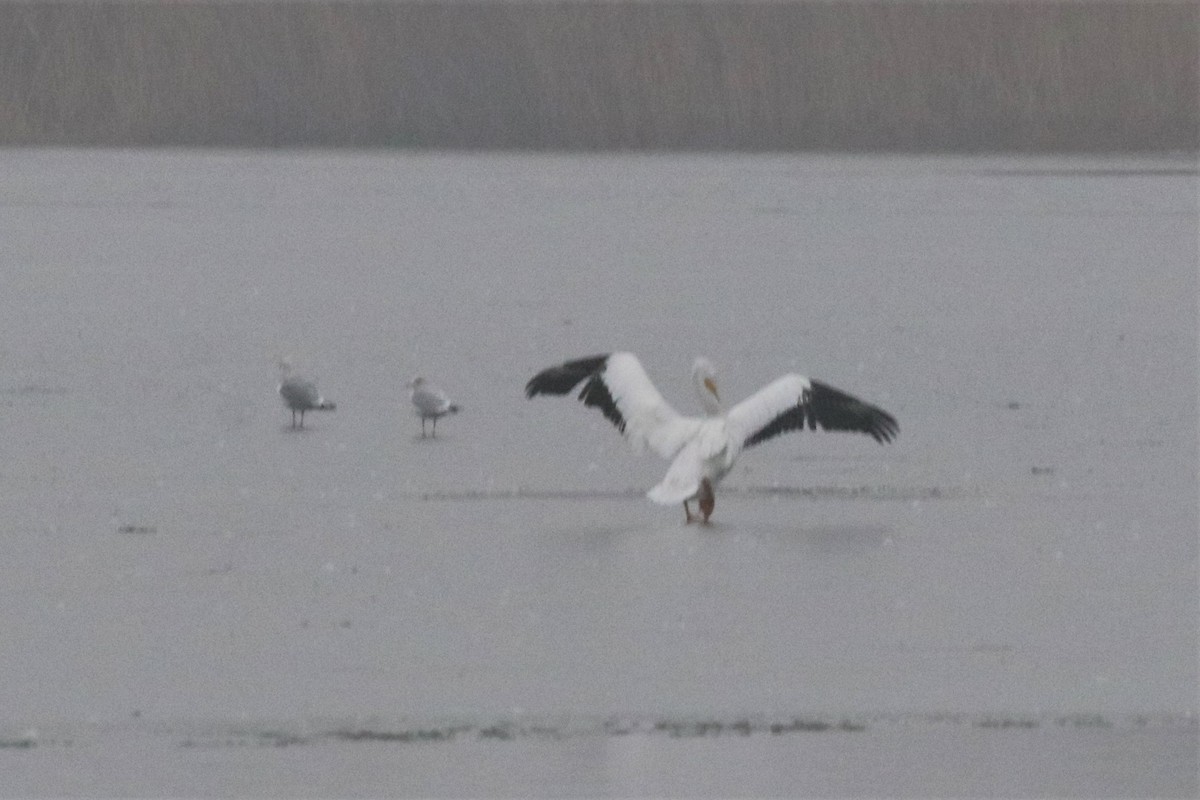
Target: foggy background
903 76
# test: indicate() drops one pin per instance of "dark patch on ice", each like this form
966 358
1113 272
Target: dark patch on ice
1007 722
800 725
281 739
904 493
242 737
506 730
687 728
867 492
1092 721
497 732
401 736
18 743
310 732
747 727
674 727
141 530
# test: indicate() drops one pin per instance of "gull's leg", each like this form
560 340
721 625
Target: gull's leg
687 513
434 434
302 417
422 427
707 499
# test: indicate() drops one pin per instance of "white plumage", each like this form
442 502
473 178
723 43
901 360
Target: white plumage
702 450
300 394
430 402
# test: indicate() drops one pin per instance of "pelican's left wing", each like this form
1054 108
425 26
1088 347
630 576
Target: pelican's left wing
794 402
618 385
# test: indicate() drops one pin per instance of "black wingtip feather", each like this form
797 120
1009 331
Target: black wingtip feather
830 409
835 410
565 377
595 394
562 379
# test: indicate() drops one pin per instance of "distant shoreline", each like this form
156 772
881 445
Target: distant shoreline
1021 76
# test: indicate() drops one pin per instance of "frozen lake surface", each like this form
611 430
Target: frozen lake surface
199 601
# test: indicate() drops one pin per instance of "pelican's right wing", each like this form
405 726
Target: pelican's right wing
618 385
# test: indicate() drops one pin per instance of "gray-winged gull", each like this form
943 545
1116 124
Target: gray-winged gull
300 394
430 402
702 450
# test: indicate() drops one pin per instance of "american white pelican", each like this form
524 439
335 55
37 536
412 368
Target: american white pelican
430 402
702 450
300 394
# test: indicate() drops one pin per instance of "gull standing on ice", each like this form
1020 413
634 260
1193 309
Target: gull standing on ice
702 450
300 394
430 402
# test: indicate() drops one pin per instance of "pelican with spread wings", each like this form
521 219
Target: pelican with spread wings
702 450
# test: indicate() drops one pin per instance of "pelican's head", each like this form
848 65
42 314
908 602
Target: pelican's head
704 375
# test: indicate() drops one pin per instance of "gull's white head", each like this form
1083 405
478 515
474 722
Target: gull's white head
704 376
415 382
286 367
